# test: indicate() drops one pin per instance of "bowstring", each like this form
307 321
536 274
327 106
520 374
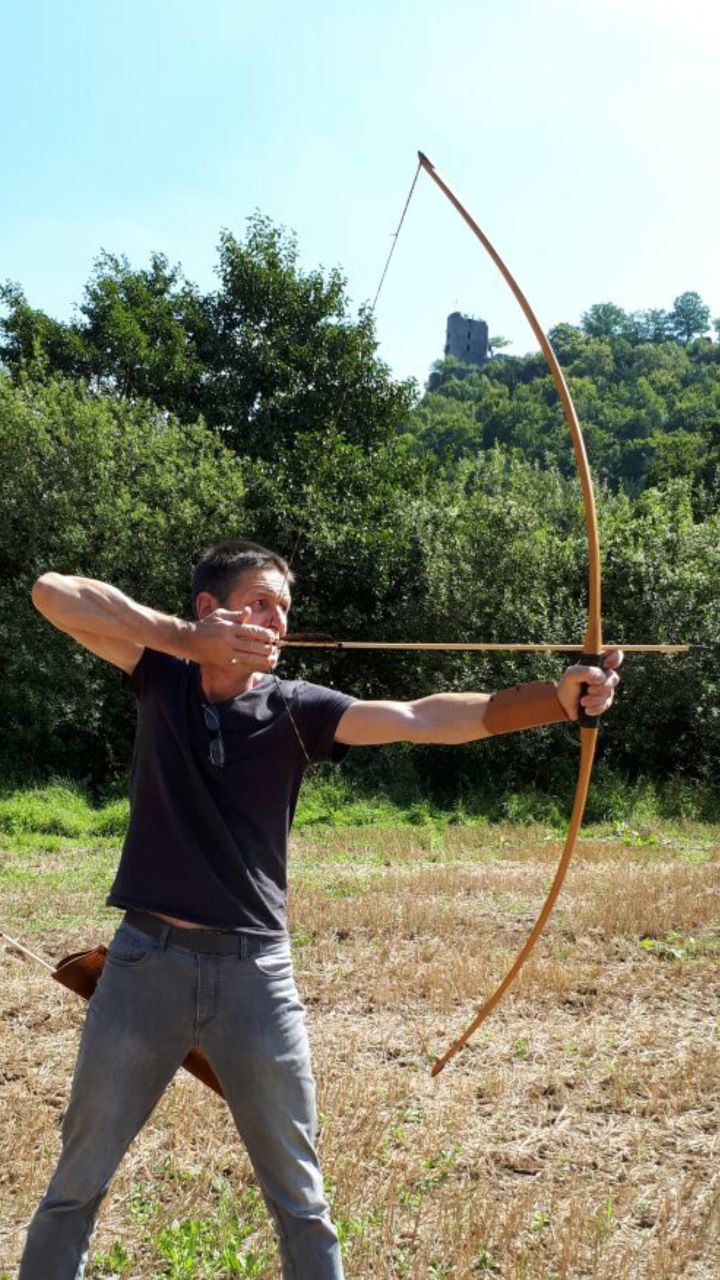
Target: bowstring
311 490
395 238
313 487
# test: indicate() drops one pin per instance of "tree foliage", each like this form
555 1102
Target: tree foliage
646 384
94 486
162 418
270 354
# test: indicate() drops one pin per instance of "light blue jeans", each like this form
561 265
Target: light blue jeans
151 1005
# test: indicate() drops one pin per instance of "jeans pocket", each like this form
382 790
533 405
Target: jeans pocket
130 946
274 962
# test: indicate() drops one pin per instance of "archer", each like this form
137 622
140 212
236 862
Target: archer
202 956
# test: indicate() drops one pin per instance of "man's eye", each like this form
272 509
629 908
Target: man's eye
264 603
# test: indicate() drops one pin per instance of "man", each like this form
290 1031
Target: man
202 955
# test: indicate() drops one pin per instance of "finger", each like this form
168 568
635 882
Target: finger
251 648
257 633
596 698
580 674
593 707
613 658
595 676
598 708
606 680
258 655
240 616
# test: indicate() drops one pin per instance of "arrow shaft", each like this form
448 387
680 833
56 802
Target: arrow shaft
460 647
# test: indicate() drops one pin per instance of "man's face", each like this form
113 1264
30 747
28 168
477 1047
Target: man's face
267 594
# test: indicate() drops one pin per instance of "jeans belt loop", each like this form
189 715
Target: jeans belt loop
163 939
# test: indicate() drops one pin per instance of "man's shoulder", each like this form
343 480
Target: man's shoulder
155 668
315 711
306 690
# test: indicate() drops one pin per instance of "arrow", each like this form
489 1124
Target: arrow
327 642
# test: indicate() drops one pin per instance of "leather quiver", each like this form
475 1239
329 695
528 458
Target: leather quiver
80 972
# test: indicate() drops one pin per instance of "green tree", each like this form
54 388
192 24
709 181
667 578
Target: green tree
269 355
94 486
607 320
653 325
568 343
689 318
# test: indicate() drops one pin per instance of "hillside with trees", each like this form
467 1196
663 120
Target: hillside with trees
161 417
646 386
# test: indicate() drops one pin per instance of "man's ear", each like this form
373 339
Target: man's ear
205 603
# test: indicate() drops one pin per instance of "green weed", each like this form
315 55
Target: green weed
112 1265
213 1247
674 946
484 1264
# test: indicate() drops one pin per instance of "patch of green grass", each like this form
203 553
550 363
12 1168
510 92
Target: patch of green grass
484 1263
57 809
645 802
326 801
214 1247
60 809
673 946
112 1265
143 1201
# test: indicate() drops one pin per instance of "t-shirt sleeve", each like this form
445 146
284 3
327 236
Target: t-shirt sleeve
152 668
318 711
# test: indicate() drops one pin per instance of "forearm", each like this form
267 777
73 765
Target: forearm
451 718
448 718
76 604
466 717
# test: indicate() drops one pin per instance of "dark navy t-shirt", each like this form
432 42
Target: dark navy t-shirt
209 844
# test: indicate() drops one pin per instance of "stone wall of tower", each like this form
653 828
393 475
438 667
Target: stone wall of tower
466 339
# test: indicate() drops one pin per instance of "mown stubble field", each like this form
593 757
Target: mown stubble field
576 1137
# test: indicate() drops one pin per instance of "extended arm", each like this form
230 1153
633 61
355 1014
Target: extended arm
453 718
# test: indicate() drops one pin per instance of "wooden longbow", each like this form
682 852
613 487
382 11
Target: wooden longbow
593 647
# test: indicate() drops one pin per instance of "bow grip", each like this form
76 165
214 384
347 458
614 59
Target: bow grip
588 660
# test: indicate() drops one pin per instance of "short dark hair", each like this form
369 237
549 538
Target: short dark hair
219 568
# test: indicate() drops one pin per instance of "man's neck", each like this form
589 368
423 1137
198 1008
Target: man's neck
218 685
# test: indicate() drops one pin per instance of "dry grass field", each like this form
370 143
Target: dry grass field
575 1137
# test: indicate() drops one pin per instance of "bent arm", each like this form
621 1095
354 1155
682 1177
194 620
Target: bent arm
106 621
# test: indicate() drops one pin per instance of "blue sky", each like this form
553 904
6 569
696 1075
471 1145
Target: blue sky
581 134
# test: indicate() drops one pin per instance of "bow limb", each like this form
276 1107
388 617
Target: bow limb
587 756
593 634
